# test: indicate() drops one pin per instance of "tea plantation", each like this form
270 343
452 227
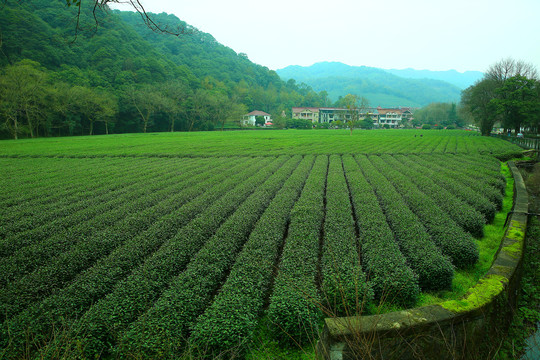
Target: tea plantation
153 245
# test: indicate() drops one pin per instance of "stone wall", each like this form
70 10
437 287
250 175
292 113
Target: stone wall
468 328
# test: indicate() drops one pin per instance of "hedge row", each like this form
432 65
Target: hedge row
189 294
141 212
201 218
434 270
66 233
344 289
60 193
461 212
386 268
451 239
72 301
44 204
48 241
465 176
455 187
139 291
476 169
233 316
23 185
76 214
295 303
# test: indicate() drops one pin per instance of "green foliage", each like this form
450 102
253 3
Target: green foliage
392 279
439 114
452 240
434 270
294 304
171 318
344 288
299 124
509 92
232 318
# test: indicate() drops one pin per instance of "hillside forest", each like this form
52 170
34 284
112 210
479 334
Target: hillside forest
114 74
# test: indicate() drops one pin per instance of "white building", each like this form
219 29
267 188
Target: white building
249 119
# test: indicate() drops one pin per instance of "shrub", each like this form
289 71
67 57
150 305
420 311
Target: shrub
294 304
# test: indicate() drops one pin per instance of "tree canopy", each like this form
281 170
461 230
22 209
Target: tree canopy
509 93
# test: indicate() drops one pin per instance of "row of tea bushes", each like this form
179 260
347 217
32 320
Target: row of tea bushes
171 318
61 235
454 186
67 191
295 302
434 270
392 279
468 176
72 301
460 211
58 202
451 239
231 320
344 289
64 266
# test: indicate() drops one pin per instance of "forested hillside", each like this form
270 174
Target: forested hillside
380 87
113 74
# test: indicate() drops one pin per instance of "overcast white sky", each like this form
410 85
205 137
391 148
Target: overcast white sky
420 34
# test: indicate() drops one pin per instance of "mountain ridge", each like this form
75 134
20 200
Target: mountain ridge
382 87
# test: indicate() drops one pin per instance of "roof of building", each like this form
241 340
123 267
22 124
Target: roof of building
312 109
386 111
257 113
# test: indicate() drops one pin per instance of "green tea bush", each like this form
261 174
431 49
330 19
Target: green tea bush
344 288
386 268
434 270
452 183
189 294
453 241
233 316
461 212
294 308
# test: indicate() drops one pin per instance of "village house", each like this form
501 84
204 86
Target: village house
250 119
306 113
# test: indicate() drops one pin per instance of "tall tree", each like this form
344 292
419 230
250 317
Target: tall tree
518 101
22 88
477 100
355 105
176 94
146 101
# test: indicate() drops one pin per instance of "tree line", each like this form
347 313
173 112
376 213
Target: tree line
509 94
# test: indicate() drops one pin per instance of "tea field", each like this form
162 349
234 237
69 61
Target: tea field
148 245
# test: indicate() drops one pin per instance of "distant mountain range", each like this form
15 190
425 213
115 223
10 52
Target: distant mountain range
381 87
